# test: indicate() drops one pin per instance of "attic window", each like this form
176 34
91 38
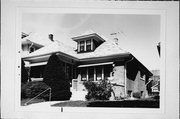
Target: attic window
88 45
82 46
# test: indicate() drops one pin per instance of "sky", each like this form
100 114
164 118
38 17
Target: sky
137 34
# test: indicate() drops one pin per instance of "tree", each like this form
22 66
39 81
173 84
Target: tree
55 77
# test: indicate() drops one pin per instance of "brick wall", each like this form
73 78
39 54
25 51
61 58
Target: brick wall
135 85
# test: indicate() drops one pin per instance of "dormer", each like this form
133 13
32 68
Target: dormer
88 43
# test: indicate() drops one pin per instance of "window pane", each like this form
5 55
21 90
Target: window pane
81 48
88 47
88 42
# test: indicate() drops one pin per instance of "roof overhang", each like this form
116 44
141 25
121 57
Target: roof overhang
45 57
114 57
96 64
142 66
87 36
36 64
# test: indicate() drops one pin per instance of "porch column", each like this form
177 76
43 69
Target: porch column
87 74
85 45
91 44
125 90
94 73
78 44
102 72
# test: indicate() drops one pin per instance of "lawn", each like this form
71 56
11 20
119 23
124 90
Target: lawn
123 103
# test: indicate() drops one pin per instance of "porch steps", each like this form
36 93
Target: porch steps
78 95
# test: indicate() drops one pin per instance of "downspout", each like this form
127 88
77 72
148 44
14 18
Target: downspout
125 79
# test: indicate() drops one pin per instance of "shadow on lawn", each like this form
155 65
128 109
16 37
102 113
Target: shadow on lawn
124 104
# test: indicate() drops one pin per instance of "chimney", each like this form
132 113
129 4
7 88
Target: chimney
116 41
51 37
115 37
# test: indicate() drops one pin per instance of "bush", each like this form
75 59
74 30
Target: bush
137 95
98 91
32 89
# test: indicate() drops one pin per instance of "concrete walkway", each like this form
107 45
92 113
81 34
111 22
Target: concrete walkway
43 106
46 106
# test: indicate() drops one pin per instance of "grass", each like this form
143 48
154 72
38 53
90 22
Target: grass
123 103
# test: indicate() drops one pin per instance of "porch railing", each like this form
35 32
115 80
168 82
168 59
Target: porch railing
48 89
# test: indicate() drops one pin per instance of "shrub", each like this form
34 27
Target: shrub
32 89
98 91
137 94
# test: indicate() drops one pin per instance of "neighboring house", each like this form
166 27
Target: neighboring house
155 84
94 59
28 45
32 42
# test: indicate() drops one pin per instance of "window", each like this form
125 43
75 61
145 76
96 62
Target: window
84 74
91 73
107 71
142 76
88 45
99 73
129 93
81 46
32 49
141 93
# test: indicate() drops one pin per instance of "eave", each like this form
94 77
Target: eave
87 36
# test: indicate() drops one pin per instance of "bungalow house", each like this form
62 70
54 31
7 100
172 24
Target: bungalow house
94 59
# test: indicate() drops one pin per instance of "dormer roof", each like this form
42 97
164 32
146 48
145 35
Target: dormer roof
89 34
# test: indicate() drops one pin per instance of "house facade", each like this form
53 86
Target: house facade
94 59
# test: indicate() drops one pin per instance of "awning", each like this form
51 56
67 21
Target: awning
36 64
97 64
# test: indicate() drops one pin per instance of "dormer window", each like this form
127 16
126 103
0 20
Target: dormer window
82 46
88 45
